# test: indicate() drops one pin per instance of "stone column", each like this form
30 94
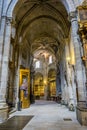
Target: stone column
73 84
32 72
17 78
72 62
11 89
78 63
16 86
1 3
45 79
58 82
69 78
64 88
5 70
2 35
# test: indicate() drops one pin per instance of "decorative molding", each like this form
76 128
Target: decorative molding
84 3
8 20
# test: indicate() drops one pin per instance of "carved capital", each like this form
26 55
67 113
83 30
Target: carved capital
8 20
72 16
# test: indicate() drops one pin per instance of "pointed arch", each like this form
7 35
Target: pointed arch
11 7
69 5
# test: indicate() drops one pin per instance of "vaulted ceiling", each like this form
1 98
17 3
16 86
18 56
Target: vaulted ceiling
43 23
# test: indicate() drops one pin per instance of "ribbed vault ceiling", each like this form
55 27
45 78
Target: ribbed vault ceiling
43 23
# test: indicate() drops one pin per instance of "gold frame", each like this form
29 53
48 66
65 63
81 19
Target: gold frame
82 14
24 73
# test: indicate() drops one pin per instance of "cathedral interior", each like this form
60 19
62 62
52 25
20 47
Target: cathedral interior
43 55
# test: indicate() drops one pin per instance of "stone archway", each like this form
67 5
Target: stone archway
23 38
69 5
52 83
37 28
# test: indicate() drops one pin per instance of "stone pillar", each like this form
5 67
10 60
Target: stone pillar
32 72
58 82
72 62
16 86
1 3
45 79
73 84
69 78
10 97
17 78
4 72
78 63
2 35
64 87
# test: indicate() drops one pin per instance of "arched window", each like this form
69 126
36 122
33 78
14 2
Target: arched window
37 65
50 59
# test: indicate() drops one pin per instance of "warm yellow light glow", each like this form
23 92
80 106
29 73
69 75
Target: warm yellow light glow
68 58
73 60
86 46
72 56
35 59
45 81
45 54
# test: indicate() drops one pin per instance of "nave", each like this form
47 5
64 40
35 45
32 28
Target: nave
43 56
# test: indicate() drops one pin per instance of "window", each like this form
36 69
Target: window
37 65
50 59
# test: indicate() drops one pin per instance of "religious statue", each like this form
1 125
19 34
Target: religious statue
24 87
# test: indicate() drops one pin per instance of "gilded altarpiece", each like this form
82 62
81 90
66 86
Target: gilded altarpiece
53 88
24 88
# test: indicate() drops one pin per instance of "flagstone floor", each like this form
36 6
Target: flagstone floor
49 115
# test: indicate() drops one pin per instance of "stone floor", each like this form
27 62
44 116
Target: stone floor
49 115
15 123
